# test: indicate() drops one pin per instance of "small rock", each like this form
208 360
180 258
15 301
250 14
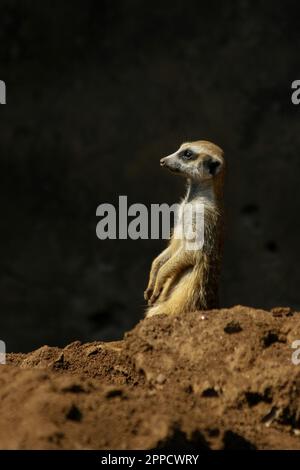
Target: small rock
271 416
281 311
60 359
93 350
160 379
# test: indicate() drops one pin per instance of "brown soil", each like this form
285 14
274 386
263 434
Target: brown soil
221 379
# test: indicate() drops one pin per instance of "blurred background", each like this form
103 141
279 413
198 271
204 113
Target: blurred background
97 93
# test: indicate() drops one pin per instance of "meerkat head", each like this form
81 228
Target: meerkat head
198 161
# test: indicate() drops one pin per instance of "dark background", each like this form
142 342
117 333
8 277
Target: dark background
97 92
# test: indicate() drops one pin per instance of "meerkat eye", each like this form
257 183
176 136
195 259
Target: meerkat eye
187 154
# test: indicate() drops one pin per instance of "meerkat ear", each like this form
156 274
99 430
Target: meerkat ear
212 165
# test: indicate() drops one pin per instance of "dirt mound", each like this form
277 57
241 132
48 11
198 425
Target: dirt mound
222 379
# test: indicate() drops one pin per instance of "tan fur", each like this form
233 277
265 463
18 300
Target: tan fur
183 280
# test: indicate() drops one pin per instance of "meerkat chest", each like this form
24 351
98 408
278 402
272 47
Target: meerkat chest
190 223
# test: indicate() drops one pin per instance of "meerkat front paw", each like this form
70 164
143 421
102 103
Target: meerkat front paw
155 295
148 296
148 293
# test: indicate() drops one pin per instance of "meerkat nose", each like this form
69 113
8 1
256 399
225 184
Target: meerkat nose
162 162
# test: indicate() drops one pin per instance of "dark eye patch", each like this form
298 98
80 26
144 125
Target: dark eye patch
211 165
187 154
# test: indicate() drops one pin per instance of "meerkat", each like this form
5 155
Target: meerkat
181 279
